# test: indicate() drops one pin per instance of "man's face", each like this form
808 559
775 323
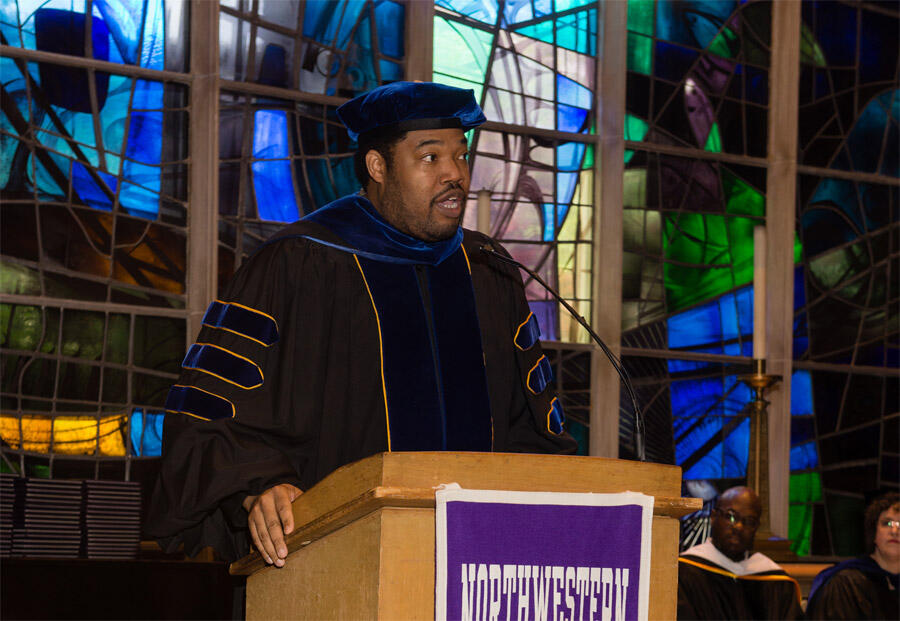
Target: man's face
887 533
734 524
426 183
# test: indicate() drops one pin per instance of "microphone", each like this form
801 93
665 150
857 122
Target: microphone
616 363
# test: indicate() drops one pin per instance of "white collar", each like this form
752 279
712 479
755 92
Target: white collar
756 564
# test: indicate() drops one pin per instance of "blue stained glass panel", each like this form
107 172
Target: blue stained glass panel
323 189
124 20
569 156
549 212
736 449
565 5
565 188
273 184
721 320
390 38
694 23
273 180
673 62
870 130
348 21
836 35
727 459
90 191
63 32
572 93
515 11
680 366
146 433
803 429
578 32
484 11
270 134
320 19
390 72
878 47
799 288
801 393
570 119
804 457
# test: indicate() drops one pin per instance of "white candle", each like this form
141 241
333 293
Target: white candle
484 211
759 292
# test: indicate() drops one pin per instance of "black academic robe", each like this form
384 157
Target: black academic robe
709 591
855 589
290 377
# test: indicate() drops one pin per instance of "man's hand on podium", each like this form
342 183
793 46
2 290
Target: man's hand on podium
270 518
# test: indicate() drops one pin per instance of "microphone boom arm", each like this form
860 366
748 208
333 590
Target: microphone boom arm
616 363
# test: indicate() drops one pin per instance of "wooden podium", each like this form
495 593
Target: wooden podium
363 546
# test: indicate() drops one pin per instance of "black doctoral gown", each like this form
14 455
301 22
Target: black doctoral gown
708 591
855 589
339 339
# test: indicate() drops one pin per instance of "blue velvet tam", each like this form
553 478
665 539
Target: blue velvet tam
410 106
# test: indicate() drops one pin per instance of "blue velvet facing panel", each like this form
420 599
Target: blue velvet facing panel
198 403
241 320
528 333
223 364
556 418
63 32
540 375
433 359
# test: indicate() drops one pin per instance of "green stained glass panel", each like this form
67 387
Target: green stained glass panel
635 128
740 198
805 487
640 54
800 527
640 16
725 44
713 141
810 52
542 31
464 53
706 256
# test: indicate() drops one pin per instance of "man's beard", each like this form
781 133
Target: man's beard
421 226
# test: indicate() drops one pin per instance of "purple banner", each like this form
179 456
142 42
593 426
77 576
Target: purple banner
538 555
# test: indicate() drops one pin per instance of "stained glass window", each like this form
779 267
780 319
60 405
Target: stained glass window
697 81
278 161
145 33
532 65
281 159
340 47
94 237
844 426
698 74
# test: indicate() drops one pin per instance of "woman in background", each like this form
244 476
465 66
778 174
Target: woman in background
865 587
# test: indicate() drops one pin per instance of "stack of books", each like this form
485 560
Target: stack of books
47 520
7 508
112 519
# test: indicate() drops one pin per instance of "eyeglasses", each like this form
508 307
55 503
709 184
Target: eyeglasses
735 518
889 523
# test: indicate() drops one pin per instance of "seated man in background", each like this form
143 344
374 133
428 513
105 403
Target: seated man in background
720 579
373 324
867 587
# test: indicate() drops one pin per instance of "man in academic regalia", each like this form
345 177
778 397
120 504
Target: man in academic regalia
373 324
720 579
866 587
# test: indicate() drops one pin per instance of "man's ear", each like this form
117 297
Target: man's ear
376 166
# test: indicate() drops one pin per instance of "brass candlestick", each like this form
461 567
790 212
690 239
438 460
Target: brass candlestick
758 457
